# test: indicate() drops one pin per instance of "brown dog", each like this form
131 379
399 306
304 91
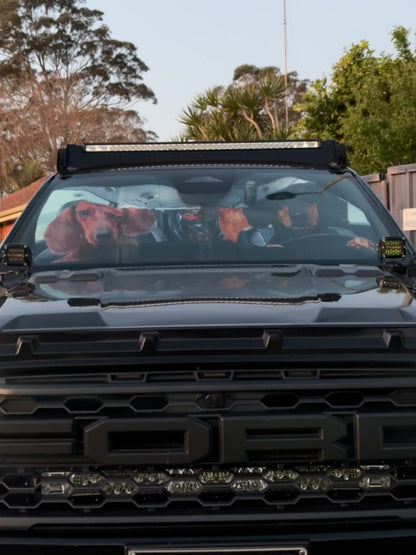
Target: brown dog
87 230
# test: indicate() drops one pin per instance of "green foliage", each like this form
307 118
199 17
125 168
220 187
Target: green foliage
251 108
370 104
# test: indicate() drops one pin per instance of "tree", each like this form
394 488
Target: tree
19 140
64 71
370 104
252 107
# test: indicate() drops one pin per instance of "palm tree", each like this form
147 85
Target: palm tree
250 108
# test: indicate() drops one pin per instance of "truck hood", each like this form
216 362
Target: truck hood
207 297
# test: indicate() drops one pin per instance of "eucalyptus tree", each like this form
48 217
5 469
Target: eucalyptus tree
66 67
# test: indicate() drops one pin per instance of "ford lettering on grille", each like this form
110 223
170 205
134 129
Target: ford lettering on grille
239 439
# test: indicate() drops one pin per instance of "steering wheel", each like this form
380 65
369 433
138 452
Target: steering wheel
329 245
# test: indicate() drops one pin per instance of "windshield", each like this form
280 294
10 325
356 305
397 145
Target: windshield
204 216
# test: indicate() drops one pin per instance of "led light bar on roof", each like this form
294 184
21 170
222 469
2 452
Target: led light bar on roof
94 156
159 147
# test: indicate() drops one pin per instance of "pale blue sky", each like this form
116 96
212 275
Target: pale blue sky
190 45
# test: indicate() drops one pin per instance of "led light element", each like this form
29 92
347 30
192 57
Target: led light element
249 485
249 469
279 475
150 478
313 484
183 471
120 488
160 147
185 486
216 477
345 473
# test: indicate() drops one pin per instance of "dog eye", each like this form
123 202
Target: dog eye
84 213
114 216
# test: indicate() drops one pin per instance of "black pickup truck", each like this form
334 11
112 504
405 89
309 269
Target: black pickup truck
207 348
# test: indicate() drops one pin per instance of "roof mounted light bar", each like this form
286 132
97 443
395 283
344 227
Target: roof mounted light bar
305 153
159 147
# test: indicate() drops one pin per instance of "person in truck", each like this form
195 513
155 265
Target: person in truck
295 214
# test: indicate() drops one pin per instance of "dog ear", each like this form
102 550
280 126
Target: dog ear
64 234
137 221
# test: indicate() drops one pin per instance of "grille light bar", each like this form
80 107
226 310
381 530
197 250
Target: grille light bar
164 147
187 481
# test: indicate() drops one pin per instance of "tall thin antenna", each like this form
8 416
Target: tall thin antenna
285 49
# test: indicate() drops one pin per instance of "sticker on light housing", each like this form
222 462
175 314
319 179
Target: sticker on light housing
16 255
392 247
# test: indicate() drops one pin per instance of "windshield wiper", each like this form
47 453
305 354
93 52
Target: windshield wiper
94 301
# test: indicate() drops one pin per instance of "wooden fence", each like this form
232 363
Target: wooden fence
397 191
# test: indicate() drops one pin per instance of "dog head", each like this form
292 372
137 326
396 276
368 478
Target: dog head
100 224
97 225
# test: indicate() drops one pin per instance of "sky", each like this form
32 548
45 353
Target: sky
192 45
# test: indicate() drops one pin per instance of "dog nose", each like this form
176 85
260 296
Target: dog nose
103 235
